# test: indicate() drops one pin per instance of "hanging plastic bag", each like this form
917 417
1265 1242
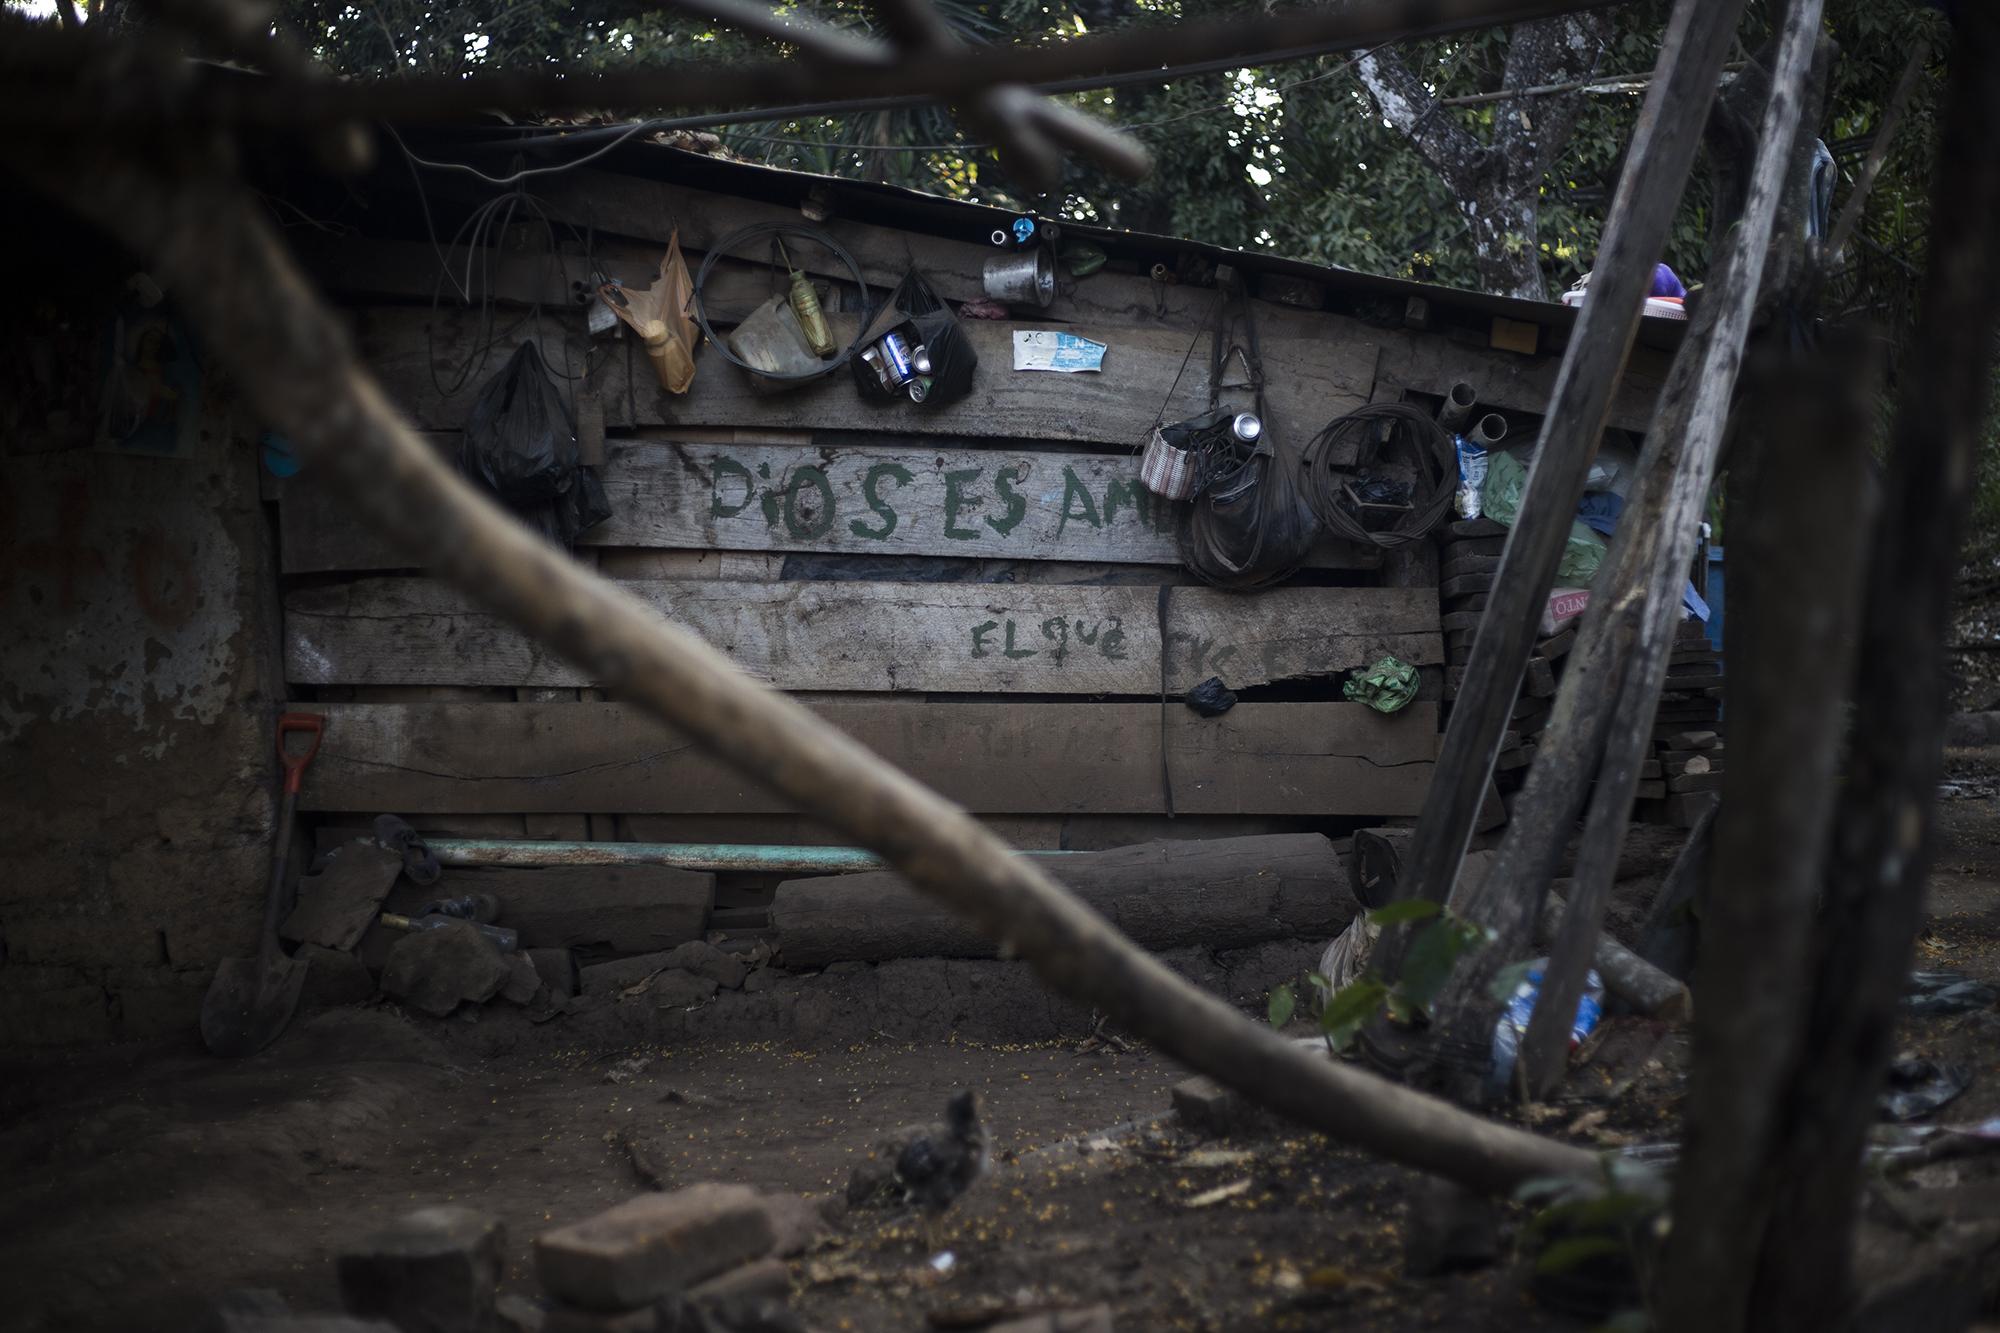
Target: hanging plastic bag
1500 498
663 317
915 320
519 439
519 443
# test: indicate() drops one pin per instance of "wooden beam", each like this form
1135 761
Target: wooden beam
1220 894
897 498
1664 515
937 637
1052 758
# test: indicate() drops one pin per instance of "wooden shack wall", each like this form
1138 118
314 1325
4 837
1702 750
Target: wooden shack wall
981 593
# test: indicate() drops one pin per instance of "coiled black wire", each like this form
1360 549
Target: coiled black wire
758 231
1415 438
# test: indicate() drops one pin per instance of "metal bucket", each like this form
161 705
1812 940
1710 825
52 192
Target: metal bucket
1027 277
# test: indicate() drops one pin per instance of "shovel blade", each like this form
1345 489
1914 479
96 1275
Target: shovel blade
249 1003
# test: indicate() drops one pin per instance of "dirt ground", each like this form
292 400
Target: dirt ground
142 1182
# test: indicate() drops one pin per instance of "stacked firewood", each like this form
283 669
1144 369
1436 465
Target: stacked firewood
1687 733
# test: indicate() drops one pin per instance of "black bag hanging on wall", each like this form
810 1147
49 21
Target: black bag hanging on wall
1249 524
923 318
520 444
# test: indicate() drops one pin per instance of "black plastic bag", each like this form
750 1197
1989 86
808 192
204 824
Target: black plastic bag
520 439
1211 698
924 320
1251 526
520 444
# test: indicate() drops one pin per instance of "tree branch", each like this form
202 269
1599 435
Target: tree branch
1411 111
44 68
1568 49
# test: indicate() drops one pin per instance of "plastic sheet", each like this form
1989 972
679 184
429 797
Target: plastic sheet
1386 687
1500 499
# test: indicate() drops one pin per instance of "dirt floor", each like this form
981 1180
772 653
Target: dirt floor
143 1182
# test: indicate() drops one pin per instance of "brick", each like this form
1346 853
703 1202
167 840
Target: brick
653 1245
796 1222
433 1271
1207 1107
752 1284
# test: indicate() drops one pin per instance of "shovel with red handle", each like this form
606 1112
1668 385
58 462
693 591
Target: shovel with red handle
252 999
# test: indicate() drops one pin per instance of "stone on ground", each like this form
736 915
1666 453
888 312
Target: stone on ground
434 971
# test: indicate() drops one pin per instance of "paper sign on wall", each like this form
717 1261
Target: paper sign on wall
1046 349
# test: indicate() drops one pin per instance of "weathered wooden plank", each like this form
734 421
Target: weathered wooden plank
1163 895
885 500
936 637
637 207
1045 758
1310 381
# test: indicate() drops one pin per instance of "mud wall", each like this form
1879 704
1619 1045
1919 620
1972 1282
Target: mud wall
137 692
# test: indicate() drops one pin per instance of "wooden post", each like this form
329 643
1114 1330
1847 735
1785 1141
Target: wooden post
1799 546
1606 683
1882 830
1656 169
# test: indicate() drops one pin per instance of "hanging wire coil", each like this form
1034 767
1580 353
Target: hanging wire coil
758 231
1408 435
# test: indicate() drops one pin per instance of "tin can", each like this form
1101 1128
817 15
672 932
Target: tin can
872 358
896 356
920 389
920 359
1246 427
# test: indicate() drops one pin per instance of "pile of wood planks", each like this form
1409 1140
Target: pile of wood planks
1677 783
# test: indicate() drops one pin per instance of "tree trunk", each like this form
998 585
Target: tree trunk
1504 244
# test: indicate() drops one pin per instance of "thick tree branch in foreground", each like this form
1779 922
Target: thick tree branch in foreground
1881 853
55 79
211 248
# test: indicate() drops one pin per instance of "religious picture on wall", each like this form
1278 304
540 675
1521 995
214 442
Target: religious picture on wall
150 402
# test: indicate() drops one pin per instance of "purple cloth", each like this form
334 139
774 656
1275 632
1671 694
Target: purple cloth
1666 283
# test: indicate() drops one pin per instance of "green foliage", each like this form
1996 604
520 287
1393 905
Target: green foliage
1349 1008
1291 159
1283 1001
